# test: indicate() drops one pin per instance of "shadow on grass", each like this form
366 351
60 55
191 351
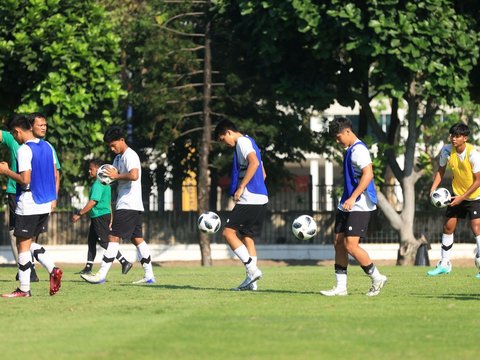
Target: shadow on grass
466 297
189 287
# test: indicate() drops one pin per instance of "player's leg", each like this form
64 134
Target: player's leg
145 258
249 243
341 257
101 226
24 268
39 253
12 203
92 249
357 226
248 218
444 266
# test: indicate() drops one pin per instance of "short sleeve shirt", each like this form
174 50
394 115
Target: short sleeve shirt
13 146
129 192
102 194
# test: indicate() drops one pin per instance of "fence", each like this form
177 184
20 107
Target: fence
178 227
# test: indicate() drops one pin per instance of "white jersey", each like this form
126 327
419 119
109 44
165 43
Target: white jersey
243 148
360 158
25 204
129 192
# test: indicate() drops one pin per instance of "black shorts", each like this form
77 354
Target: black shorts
460 211
352 223
247 219
127 224
99 230
30 226
12 204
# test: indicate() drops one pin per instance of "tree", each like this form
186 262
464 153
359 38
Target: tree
60 57
416 54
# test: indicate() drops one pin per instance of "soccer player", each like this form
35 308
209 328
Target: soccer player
127 217
251 197
7 139
358 201
35 179
464 161
99 209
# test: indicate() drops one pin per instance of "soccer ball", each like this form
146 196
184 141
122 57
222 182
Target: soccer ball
304 227
101 175
209 222
440 198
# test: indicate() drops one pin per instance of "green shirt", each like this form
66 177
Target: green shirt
13 146
102 194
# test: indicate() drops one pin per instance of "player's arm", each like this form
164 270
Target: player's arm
365 179
22 179
132 175
252 167
264 172
89 206
437 178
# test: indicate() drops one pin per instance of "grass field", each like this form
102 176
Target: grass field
190 313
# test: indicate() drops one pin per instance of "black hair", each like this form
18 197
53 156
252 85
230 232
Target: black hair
339 124
114 133
222 127
96 162
20 120
459 129
34 115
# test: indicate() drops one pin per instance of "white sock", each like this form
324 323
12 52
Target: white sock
447 243
477 239
341 281
242 253
39 253
375 273
145 258
254 260
24 269
108 257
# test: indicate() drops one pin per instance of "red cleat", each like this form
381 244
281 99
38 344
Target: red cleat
17 293
55 280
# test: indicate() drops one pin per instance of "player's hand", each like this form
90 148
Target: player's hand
111 172
348 204
54 205
238 193
75 218
3 167
456 200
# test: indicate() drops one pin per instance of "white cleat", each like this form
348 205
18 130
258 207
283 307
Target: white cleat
145 281
93 279
334 292
377 284
250 279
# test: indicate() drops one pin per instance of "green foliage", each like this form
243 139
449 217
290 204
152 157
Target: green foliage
61 58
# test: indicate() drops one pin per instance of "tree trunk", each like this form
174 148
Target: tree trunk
203 173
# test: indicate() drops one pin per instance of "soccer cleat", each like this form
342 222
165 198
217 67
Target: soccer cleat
17 293
253 286
250 279
93 279
441 269
55 280
84 271
126 266
334 292
145 281
377 284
